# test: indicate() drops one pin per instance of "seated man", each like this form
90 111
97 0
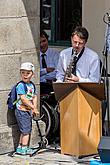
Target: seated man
48 63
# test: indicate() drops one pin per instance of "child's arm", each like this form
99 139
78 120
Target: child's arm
27 102
31 105
35 111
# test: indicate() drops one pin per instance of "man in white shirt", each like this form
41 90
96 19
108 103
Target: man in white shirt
48 63
88 64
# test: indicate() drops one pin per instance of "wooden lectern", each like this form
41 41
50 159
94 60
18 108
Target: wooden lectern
80 116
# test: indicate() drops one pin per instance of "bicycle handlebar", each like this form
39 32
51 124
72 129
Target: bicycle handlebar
39 118
46 96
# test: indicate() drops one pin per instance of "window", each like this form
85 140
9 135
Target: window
59 17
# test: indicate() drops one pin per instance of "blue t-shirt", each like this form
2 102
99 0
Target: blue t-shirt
29 94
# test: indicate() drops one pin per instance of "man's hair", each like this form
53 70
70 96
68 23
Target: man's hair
81 32
44 34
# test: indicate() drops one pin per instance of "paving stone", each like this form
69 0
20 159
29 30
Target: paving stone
43 158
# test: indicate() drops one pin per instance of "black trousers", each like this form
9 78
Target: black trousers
47 88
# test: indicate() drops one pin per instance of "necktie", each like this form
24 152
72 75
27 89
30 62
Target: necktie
44 65
75 60
74 65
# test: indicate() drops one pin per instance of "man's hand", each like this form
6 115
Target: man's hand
72 79
50 70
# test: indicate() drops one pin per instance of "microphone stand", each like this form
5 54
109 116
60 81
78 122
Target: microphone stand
106 79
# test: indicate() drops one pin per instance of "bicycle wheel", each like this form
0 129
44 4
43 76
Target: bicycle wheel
46 118
51 118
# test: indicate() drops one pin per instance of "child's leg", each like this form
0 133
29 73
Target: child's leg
19 147
24 139
20 140
25 144
24 121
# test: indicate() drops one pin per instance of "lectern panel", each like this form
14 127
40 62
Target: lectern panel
80 117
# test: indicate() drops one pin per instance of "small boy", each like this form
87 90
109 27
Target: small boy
26 107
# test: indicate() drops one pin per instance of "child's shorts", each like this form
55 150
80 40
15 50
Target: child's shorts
24 120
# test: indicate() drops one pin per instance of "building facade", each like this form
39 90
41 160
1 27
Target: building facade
19 42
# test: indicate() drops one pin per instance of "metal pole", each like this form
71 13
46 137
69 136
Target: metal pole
106 80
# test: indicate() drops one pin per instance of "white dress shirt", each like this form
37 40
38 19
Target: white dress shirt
87 67
51 59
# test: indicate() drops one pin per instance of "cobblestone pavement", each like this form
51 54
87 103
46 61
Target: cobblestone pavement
43 158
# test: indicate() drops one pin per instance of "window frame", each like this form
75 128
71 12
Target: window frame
54 20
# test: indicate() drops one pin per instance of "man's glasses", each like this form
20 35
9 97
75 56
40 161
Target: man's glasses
78 43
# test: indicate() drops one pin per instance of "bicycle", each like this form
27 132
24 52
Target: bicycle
50 116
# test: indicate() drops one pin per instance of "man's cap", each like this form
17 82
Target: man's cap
27 66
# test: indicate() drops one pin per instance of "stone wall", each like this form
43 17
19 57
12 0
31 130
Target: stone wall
19 42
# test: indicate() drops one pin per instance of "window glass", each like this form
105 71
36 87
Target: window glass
59 17
45 16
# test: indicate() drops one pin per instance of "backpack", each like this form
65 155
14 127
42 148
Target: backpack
12 96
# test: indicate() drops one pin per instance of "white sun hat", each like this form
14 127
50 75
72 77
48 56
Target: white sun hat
27 66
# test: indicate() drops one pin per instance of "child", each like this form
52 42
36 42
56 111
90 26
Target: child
26 107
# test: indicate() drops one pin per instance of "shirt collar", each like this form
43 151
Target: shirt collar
45 52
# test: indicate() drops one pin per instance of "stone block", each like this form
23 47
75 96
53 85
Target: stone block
30 8
10 32
9 73
17 35
9 8
29 33
9 137
9 68
19 8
